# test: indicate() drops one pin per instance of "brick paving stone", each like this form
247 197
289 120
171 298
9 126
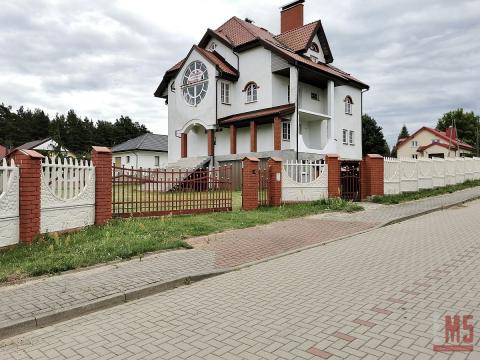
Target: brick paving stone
302 306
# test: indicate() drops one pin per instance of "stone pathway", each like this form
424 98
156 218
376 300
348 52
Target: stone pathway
48 295
378 295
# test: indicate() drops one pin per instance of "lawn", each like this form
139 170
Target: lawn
127 238
409 196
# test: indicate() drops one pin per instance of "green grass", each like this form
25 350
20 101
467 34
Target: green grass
127 238
409 196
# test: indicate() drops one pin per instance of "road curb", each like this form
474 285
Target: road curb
10 329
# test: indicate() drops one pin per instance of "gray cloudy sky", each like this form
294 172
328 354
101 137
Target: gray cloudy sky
105 58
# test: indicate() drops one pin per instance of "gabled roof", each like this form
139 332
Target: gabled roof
32 144
441 134
145 142
281 110
226 70
300 39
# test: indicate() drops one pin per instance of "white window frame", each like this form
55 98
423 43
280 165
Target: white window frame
225 93
127 160
314 96
345 136
314 58
414 143
212 47
351 137
414 156
348 105
156 160
251 93
286 131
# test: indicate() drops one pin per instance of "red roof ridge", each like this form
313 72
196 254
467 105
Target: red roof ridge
295 29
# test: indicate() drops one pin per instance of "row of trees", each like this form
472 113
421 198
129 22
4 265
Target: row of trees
70 131
467 124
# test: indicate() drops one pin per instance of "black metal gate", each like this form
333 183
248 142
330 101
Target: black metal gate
350 180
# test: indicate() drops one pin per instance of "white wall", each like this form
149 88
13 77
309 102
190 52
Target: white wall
349 122
144 159
280 90
265 137
320 57
307 103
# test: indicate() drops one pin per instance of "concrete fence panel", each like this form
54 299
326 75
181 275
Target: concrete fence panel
67 194
304 181
9 203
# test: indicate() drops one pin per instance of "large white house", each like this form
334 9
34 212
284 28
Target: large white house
245 91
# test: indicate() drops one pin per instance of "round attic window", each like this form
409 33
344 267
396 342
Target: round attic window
195 83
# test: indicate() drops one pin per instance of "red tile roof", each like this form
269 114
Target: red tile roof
457 143
216 59
268 112
299 38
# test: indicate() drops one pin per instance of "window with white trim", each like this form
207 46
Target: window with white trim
157 160
314 58
128 159
345 136
212 46
348 105
414 143
351 137
286 131
314 96
251 90
225 93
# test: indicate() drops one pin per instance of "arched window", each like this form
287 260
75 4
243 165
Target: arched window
348 105
314 47
251 90
212 47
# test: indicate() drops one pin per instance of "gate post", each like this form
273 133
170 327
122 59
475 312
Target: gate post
250 183
275 181
333 164
102 160
373 179
30 164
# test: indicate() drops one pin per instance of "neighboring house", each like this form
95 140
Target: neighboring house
146 151
46 146
3 151
245 91
427 142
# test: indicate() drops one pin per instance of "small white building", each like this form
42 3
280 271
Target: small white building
146 151
46 146
245 91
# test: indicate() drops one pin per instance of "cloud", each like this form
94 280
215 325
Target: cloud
105 58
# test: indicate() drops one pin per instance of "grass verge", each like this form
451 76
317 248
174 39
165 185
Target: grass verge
126 238
409 196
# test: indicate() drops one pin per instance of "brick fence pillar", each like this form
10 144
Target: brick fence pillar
333 164
102 160
30 164
374 168
250 175
275 181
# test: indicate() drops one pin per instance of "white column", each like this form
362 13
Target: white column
293 100
331 108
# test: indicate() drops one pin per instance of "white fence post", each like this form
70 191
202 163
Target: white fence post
9 203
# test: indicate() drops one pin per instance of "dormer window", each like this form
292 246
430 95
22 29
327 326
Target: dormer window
314 47
212 47
348 105
251 90
314 58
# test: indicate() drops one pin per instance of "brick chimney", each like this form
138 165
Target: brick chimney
291 16
451 133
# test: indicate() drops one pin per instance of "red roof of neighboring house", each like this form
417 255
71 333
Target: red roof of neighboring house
262 113
457 143
240 34
3 151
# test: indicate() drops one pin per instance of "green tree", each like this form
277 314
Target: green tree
373 141
403 133
467 123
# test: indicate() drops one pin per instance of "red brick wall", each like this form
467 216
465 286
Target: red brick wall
30 164
183 145
333 175
102 159
250 183
373 179
277 133
275 181
253 136
211 142
291 18
233 139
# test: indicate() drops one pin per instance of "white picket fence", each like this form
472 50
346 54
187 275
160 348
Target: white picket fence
9 203
67 194
406 174
304 181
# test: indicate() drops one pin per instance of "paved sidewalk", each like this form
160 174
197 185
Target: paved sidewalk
37 298
378 295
